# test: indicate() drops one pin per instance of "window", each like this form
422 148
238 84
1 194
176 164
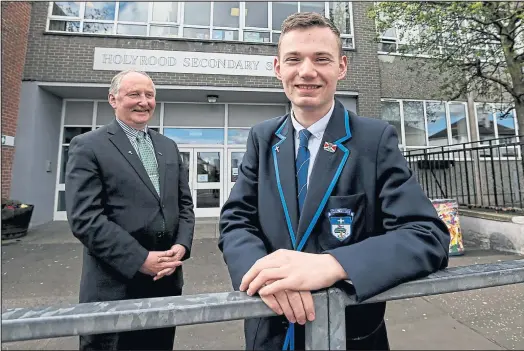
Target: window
427 123
392 39
216 20
437 123
495 121
391 114
202 136
342 13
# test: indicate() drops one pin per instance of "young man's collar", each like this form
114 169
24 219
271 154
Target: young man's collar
317 128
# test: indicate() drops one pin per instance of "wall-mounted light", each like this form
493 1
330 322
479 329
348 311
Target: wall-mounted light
212 98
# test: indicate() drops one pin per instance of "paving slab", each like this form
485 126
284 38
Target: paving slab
44 268
437 333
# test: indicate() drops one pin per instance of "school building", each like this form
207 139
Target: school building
212 66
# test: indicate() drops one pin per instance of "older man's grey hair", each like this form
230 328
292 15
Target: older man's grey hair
117 79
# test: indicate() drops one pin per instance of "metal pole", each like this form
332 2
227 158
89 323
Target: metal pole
337 319
317 332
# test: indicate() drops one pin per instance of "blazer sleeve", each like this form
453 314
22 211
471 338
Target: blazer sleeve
186 219
240 235
85 212
415 242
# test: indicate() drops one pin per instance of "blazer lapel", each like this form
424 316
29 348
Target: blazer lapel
326 171
284 163
119 138
160 153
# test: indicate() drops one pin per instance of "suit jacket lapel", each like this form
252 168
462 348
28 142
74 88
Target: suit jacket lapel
119 138
326 171
160 152
284 162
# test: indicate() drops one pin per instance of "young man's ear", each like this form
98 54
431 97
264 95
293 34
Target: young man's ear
276 68
343 67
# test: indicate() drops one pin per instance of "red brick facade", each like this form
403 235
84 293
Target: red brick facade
15 27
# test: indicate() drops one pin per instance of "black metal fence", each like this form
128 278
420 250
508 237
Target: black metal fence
487 173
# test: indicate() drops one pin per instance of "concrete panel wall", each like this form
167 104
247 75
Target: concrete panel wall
36 145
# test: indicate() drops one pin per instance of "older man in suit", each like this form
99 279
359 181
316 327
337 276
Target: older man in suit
324 196
128 201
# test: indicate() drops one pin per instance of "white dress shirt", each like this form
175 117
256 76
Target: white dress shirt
317 130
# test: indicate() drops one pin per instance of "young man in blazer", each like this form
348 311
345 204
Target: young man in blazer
128 201
324 196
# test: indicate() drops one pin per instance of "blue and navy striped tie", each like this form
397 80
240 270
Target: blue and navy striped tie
302 166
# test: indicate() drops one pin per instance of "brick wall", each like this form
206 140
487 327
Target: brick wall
69 58
15 26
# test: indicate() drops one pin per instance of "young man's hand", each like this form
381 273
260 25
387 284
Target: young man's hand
292 270
297 306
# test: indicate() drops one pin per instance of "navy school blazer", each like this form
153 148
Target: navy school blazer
394 233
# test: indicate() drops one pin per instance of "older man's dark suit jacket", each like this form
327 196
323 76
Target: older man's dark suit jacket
115 211
396 234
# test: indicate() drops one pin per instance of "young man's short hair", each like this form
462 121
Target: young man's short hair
303 20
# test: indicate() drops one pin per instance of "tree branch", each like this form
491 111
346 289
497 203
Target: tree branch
481 74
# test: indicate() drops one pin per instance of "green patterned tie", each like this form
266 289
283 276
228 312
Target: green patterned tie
147 155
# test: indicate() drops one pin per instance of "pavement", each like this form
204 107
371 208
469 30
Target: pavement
43 268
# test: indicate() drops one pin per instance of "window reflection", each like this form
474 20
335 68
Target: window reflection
165 12
186 161
415 128
485 122
505 123
318 7
104 28
226 14
197 13
66 8
100 10
237 136
208 167
64 26
459 127
65 158
196 33
219 34
257 37
437 123
71 132
196 135
208 198
340 13
236 160
133 11
162 31
256 14
281 10
391 114
131 29
195 19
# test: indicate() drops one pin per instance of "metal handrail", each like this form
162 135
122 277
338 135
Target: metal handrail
327 331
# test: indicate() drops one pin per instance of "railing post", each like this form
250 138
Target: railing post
337 319
317 332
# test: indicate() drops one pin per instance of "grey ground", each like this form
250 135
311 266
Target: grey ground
44 267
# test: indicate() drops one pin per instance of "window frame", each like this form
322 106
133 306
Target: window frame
449 135
180 24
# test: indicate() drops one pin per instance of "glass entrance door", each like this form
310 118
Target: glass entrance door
205 179
234 159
